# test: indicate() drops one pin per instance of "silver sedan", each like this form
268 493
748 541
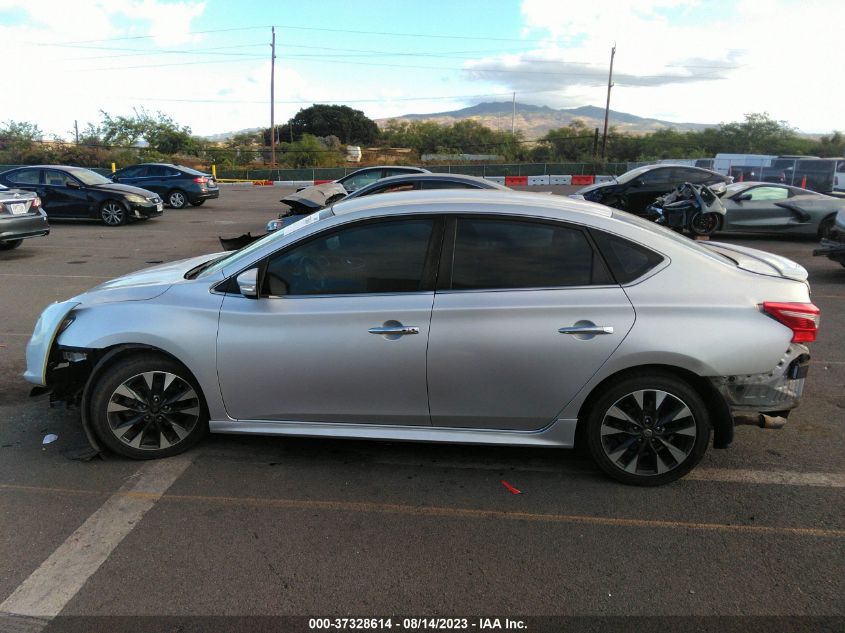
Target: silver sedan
765 207
483 317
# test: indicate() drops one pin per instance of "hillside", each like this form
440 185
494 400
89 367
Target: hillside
535 121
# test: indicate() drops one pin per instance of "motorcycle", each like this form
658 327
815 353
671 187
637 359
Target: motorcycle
696 209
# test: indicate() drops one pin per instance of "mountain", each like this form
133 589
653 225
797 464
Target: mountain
535 121
225 136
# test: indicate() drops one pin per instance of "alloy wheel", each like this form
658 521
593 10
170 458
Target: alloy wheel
177 199
648 432
153 410
112 213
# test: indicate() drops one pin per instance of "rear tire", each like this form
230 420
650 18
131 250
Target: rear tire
826 228
148 406
9 245
176 199
703 223
648 430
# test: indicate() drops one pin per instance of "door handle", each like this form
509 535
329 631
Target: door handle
395 330
587 329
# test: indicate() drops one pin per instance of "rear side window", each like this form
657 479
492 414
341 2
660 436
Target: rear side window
628 261
500 254
25 176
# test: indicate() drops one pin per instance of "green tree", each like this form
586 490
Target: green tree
350 126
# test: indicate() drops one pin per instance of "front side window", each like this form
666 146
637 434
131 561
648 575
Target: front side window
499 254
380 257
769 193
361 179
133 172
656 177
57 178
25 177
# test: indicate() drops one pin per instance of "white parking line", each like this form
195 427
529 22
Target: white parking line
59 578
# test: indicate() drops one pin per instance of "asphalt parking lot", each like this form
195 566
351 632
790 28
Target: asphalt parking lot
268 526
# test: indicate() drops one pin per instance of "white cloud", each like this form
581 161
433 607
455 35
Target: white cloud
778 56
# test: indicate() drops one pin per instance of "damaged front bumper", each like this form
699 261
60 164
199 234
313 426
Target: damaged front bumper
833 250
766 399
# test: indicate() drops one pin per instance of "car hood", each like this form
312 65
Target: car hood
125 189
595 187
315 196
144 284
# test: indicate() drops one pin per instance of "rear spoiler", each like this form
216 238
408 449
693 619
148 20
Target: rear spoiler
760 262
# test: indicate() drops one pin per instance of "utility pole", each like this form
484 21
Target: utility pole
607 106
76 130
595 144
273 98
513 116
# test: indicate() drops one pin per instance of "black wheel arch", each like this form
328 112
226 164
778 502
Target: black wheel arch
105 358
719 413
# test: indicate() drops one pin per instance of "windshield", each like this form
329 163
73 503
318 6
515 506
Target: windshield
628 176
242 254
89 177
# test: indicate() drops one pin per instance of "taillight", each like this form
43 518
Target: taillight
36 203
201 180
801 318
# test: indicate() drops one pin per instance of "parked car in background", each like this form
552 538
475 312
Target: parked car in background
481 317
177 185
315 197
407 182
762 207
76 192
833 245
21 217
635 190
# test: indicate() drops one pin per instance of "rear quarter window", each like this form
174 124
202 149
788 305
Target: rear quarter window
627 260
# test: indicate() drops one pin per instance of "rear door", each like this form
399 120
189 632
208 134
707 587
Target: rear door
655 183
516 321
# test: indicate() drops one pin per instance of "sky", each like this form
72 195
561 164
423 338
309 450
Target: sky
206 63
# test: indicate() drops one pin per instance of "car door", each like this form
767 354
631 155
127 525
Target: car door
762 211
131 175
340 331
64 195
642 191
156 179
28 179
524 317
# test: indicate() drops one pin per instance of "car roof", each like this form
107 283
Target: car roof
468 200
50 167
435 178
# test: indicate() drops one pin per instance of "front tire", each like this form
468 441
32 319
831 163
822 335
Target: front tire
112 213
648 430
148 406
177 199
9 245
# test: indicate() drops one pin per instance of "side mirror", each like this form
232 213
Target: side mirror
115 178
742 196
248 283
72 184
638 182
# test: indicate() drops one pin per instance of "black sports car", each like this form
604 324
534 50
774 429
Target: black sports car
76 192
20 217
635 190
